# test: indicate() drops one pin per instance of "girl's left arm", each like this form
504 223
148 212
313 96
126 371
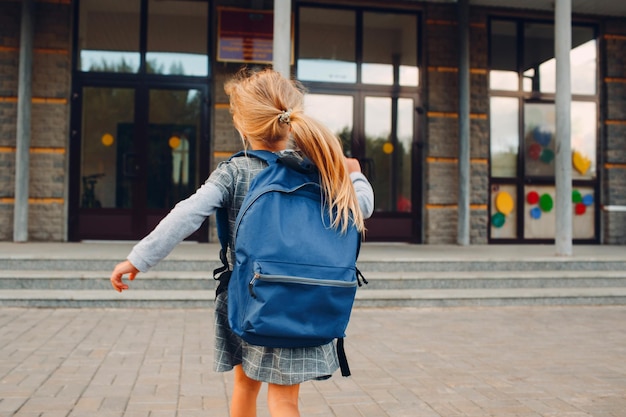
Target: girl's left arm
184 219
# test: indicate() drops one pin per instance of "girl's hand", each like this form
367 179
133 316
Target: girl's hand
119 271
352 165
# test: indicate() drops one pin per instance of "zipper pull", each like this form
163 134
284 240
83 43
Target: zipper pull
251 285
360 279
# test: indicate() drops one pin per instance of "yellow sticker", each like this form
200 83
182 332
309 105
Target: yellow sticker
580 162
107 139
504 203
174 142
388 148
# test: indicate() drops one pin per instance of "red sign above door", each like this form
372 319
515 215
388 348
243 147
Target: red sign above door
245 35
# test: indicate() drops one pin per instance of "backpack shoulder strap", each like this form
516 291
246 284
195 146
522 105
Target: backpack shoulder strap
267 156
221 217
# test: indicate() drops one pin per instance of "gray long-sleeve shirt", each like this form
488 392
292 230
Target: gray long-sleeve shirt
188 215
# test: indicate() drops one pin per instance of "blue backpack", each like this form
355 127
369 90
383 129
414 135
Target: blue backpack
295 277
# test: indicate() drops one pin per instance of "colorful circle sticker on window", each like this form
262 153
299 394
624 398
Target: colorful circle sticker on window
535 212
588 200
580 209
546 203
542 137
497 220
504 202
107 139
532 197
547 155
576 196
534 151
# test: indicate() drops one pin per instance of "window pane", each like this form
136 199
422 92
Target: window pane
335 112
539 139
379 149
583 199
539 131
389 49
540 64
177 38
108 160
504 126
583 60
173 132
503 74
539 57
584 128
539 213
109 35
327 45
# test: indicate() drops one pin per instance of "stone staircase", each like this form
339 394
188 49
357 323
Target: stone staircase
452 281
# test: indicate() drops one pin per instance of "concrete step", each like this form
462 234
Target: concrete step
367 264
397 277
193 280
99 280
492 297
365 297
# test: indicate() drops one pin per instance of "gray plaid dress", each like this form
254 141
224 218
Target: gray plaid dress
284 366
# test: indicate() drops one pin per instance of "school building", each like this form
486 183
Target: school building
112 111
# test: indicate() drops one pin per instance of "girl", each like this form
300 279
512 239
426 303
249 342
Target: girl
267 112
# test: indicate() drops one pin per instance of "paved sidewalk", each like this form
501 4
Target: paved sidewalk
504 362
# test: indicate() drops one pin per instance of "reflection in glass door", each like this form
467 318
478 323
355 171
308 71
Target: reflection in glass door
173 131
135 166
382 139
389 138
105 110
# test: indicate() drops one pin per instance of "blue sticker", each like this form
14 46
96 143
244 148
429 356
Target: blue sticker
542 137
535 213
588 200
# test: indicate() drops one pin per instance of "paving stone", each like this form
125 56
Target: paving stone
528 361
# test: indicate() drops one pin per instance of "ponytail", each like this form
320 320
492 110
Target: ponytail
324 149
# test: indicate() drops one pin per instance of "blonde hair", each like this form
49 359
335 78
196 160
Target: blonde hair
265 105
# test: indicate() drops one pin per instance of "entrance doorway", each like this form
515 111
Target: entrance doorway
140 153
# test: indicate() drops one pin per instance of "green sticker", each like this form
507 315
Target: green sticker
497 220
576 196
547 155
545 202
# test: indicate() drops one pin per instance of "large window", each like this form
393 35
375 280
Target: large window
110 31
522 80
327 48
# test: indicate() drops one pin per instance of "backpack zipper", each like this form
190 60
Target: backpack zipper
296 280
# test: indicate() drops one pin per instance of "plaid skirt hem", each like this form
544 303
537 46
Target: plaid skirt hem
283 366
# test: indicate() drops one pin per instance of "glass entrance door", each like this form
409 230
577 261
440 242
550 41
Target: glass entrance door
380 132
388 132
139 156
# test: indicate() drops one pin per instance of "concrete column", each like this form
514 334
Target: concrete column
463 225
24 102
282 37
563 99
